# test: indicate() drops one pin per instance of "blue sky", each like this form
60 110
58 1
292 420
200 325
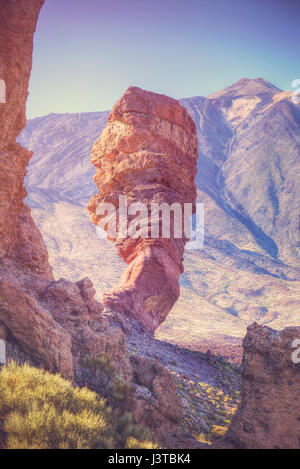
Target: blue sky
87 52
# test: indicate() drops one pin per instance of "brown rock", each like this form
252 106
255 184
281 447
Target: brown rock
158 406
42 315
269 413
148 152
22 250
35 329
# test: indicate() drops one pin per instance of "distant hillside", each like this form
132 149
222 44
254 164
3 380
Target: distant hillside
248 168
60 167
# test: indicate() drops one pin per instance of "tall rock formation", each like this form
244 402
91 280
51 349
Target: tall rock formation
148 152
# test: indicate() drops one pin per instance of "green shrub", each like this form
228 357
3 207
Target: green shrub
42 410
120 393
101 362
130 432
117 391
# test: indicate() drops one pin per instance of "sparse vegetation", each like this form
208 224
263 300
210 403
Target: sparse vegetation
202 438
120 393
103 362
208 409
117 391
42 410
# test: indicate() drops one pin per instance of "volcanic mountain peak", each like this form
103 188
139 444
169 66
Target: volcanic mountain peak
246 87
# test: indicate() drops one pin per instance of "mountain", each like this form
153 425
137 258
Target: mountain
248 168
250 133
60 167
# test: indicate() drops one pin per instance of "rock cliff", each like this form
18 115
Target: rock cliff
147 152
19 238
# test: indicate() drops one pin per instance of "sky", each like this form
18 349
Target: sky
87 52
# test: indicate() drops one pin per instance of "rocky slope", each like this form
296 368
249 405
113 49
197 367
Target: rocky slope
249 267
147 153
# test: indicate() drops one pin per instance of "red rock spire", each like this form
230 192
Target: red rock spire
148 152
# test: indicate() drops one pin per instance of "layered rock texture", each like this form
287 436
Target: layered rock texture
148 153
268 416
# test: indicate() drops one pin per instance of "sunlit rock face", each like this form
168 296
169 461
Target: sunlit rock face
148 153
23 254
